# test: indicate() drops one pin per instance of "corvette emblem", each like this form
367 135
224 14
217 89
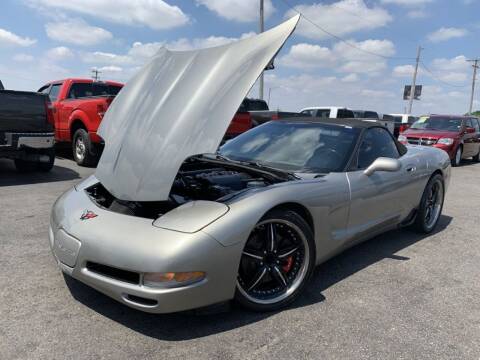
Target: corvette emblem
88 214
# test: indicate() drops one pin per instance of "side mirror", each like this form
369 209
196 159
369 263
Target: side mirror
383 164
470 130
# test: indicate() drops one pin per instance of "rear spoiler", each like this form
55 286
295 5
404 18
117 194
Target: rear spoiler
1 85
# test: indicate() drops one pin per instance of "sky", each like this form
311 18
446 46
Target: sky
354 53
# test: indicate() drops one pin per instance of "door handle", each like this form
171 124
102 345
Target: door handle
411 169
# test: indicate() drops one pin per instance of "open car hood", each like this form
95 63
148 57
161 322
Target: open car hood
178 105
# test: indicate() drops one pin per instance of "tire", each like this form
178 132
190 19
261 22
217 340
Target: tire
458 157
476 158
272 274
25 166
432 201
82 148
31 166
47 166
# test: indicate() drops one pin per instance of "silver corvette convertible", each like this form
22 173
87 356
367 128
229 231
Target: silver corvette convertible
170 222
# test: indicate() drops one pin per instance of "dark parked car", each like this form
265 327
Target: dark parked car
26 130
459 136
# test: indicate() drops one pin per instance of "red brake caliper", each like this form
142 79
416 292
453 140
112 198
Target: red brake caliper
288 264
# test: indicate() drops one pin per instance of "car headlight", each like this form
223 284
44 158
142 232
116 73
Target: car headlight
445 141
172 279
402 138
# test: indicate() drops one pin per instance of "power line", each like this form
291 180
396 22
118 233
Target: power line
438 79
339 38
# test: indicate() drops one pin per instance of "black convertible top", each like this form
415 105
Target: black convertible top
354 123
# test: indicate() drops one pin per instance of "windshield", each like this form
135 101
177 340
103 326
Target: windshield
298 147
437 123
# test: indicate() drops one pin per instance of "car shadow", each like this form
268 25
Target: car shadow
204 322
9 176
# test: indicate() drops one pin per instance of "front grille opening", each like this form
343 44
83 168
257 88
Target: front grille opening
114 273
141 300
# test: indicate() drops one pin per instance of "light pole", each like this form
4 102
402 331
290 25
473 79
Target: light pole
269 93
472 95
414 82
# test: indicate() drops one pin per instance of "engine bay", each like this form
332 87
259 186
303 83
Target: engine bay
196 180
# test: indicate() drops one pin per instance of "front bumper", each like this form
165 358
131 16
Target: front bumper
134 245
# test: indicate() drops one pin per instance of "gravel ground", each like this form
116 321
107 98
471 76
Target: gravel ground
398 296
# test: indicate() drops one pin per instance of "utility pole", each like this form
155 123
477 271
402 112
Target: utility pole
475 67
95 74
414 82
262 29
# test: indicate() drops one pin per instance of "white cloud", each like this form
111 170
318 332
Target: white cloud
156 14
9 38
407 2
140 52
444 34
356 61
456 64
110 69
307 56
455 71
59 53
100 57
23 58
237 10
343 57
350 78
76 31
341 18
403 71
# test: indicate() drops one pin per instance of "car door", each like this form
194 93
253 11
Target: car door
469 139
53 93
476 125
378 201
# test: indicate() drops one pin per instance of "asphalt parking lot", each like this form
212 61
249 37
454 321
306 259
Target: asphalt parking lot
398 296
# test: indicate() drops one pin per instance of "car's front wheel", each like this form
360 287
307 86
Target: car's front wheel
431 205
276 263
458 157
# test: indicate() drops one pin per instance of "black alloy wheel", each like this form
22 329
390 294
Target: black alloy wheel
276 263
431 205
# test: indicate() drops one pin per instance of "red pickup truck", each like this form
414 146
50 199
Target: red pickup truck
78 107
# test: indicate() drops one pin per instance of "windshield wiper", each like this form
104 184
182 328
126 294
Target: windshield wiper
260 165
278 173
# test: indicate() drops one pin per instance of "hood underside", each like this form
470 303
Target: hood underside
178 105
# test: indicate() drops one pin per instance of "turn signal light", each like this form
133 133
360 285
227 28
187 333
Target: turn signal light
172 279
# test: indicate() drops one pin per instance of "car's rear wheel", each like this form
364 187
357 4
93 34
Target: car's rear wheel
48 165
458 157
431 205
82 147
276 263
